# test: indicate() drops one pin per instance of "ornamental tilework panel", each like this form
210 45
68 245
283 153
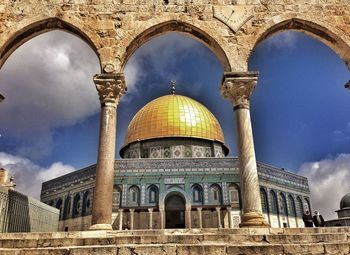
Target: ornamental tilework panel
143 194
207 152
206 193
218 151
177 151
124 194
166 152
156 152
198 151
224 192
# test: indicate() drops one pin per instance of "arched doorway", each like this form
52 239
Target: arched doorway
175 211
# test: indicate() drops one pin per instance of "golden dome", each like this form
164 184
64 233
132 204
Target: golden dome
173 116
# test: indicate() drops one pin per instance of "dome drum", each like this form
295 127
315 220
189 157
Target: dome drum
174 148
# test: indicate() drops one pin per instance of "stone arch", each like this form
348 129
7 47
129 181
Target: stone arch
153 194
264 201
299 207
86 203
215 194
330 36
274 202
27 30
197 194
291 205
175 205
234 194
181 27
134 195
76 206
283 206
67 207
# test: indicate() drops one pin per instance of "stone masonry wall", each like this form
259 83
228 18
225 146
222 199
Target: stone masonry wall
231 28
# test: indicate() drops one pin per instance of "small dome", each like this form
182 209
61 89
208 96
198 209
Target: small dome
174 116
345 201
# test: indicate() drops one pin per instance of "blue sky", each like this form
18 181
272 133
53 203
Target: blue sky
300 109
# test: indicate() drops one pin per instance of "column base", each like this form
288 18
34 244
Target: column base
101 227
253 219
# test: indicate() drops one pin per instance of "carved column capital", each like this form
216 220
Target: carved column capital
238 87
110 87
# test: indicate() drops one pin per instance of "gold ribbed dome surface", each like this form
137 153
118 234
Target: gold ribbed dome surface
174 116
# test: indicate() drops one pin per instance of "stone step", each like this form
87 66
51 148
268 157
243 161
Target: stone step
30 242
342 248
234 231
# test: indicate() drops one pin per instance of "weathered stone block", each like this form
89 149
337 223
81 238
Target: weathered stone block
255 249
337 248
94 251
301 249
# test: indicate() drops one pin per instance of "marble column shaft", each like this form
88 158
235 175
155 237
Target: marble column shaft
150 221
132 218
218 211
188 220
238 87
110 87
162 218
199 210
121 219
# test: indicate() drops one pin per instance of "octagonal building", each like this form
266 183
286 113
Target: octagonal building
175 173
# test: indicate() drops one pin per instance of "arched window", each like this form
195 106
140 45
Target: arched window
153 194
215 194
59 207
116 198
197 194
283 204
76 206
134 195
264 201
233 193
307 204
274 203
67 205
292 209
299 208
86 203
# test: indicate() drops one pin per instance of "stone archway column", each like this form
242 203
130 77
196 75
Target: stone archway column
238 87
110 88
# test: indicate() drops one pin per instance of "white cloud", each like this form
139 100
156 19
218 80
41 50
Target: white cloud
341 135
162 55
48 84
329 182
29 176
286 39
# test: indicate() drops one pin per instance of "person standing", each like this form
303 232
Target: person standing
307 218
318 220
